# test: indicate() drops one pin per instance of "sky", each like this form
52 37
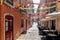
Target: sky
36 6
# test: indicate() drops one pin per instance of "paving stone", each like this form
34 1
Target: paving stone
32 34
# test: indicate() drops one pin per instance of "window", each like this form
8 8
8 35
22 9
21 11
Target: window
9 1
22 22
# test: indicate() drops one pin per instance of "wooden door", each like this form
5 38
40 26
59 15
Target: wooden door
8 27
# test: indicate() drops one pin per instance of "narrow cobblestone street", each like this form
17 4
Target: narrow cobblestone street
32 34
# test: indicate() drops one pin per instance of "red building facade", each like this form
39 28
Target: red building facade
12 23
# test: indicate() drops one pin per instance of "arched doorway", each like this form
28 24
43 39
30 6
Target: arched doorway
8 27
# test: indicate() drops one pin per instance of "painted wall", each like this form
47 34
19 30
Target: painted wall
16 15
58 25
0 22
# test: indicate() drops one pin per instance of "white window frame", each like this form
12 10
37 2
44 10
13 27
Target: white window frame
12 6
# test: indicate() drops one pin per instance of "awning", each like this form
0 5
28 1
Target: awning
44 20
54 14
51 16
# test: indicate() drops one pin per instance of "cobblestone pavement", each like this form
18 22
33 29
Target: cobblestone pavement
32 34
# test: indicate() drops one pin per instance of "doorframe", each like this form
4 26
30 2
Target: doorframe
51 24
26 24
4 23
22 28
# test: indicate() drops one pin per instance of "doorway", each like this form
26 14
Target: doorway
8 27
22 25
53 24
26 24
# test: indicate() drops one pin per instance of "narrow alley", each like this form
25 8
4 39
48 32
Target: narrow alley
29 19
32 34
